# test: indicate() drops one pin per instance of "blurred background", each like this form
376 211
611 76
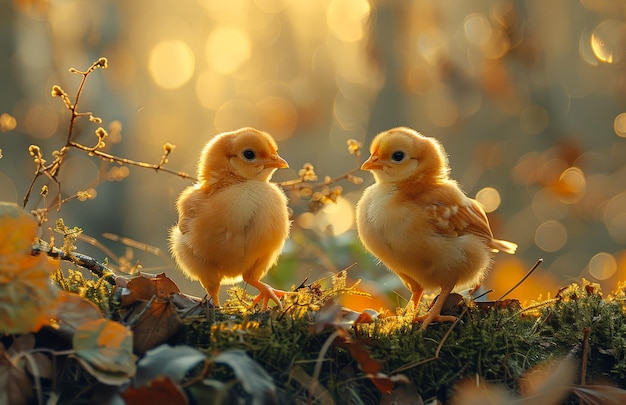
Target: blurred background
528 98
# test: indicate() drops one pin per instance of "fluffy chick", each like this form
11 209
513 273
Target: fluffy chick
419 223
233 223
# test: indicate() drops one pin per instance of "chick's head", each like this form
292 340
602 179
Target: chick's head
247 153
402 153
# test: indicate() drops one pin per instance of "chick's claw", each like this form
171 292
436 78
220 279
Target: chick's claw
430 317
267 293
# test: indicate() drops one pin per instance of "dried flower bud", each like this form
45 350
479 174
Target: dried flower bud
306 192
44 191
307 173
95 119
34 151
57 91
354 147
102 62
101 133
85 195
354 179
168 148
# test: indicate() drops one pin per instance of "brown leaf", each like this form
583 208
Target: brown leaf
600 394
160 391
158 322
318 392
104 348
15 386
145 286
327 316
406 394
74 310
367 364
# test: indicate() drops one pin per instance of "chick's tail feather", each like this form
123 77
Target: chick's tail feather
503 246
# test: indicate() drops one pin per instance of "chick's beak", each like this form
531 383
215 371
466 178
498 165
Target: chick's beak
372 163
276 162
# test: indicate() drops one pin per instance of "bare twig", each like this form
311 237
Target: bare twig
522 280
79 259
51 170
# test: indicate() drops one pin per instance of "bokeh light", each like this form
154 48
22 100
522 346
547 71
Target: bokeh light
617 228
211 89
227 49
571 185
607 41
8 192
235 114
7 122
336 218
477 29
534 120
602 266
347 18
272 6
277 116
489 198
171 64
551 236
41 121
619 125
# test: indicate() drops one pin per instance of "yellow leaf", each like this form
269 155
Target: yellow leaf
107 348
27 297
18 229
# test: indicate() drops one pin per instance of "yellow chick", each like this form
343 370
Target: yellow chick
419 223
233 223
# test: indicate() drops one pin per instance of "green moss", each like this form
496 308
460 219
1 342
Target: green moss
490 345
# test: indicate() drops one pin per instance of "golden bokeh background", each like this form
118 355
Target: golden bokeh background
528 97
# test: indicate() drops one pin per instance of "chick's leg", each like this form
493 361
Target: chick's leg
212 288
434 313
416 291
266 293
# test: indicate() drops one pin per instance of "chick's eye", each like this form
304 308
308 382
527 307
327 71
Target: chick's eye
397 156
249 154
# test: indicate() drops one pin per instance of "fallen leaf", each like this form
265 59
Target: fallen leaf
160 391
320 394
105 349
254 379
406 394
27 298
75 310
18 230
600 394
15 386
167 361
158 322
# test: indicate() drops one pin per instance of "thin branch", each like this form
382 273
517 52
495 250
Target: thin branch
522 280
87 262
117 159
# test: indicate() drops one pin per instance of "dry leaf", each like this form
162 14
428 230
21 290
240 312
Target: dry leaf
105 349
27 298
15 386
159 321
75 310
160 391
